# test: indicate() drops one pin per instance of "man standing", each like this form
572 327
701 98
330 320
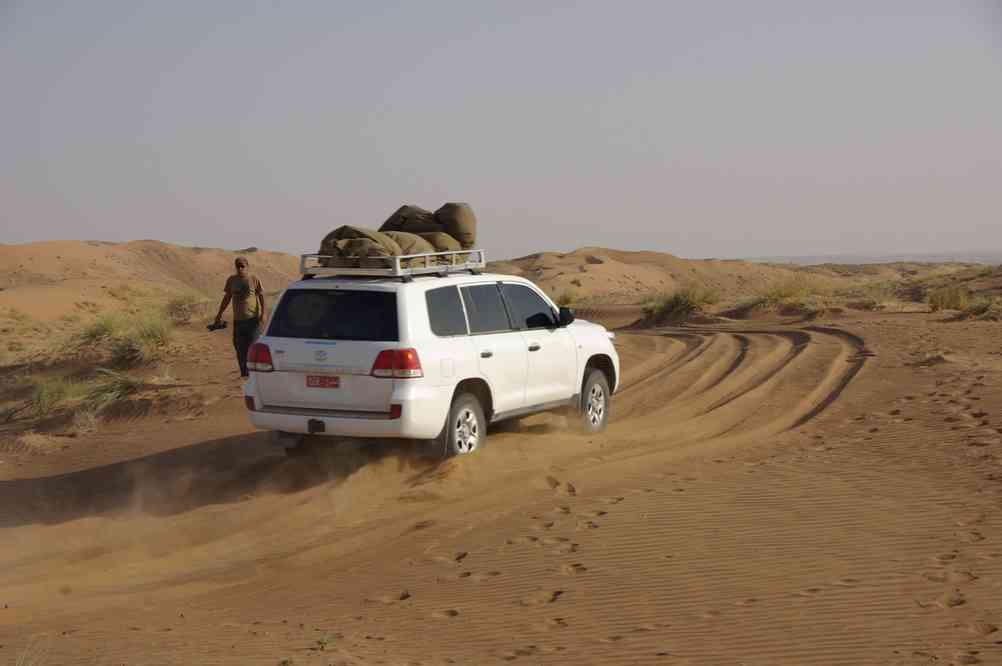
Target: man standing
245 291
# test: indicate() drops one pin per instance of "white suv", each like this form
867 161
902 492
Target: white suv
433 355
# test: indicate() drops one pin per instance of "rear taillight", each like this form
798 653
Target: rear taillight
396 411
259 358
397 363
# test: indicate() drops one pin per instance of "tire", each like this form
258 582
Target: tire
596 398
465 429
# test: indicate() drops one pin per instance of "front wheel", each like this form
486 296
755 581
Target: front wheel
466 427
595 402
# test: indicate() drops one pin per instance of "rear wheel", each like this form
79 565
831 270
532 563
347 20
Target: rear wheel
465 428
595 402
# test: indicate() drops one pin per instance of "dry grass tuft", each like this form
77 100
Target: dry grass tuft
949 298
680 303
37 443
143 341
37 652
102 329
185 307
567 298
984 308
85 421
112 388
18 316
47 395
132 340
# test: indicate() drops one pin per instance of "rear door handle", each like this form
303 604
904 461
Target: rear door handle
534 346
486 354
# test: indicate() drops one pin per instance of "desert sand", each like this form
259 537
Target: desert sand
780 490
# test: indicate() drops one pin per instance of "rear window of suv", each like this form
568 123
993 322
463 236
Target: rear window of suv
336 314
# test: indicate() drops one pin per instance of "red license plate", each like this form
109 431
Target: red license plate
322 381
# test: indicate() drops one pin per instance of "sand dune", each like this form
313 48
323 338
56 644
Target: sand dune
769 493
601 275
48 280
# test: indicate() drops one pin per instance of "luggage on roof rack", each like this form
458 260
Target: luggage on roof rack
402 266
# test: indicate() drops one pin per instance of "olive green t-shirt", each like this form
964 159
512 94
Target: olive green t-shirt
244 293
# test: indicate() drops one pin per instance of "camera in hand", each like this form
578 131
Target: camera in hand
215 326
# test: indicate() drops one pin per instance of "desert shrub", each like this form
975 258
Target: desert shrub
791 290
748 305
47 395
18 316
142 340
111 387
566 297
949 298
807 296
869 295
103 328
984 307
85 421
164 378
125 293
36 653
682 302
326 642
805 306
866 304
183 308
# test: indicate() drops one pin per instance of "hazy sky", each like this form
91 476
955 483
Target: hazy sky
710 128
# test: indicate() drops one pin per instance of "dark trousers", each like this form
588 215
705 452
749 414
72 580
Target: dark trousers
245 332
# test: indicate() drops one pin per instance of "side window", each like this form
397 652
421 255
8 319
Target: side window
527 308
485 309
445 312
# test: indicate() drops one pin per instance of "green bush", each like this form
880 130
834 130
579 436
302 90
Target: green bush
949 298
682 302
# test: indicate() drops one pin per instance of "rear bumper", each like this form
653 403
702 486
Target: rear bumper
423 410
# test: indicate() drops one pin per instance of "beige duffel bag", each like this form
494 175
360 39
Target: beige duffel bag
412 219
349 241
410 243
441 241
458 220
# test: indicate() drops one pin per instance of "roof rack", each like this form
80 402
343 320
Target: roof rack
431 263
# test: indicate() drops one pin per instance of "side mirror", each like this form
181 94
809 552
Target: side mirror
566 317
